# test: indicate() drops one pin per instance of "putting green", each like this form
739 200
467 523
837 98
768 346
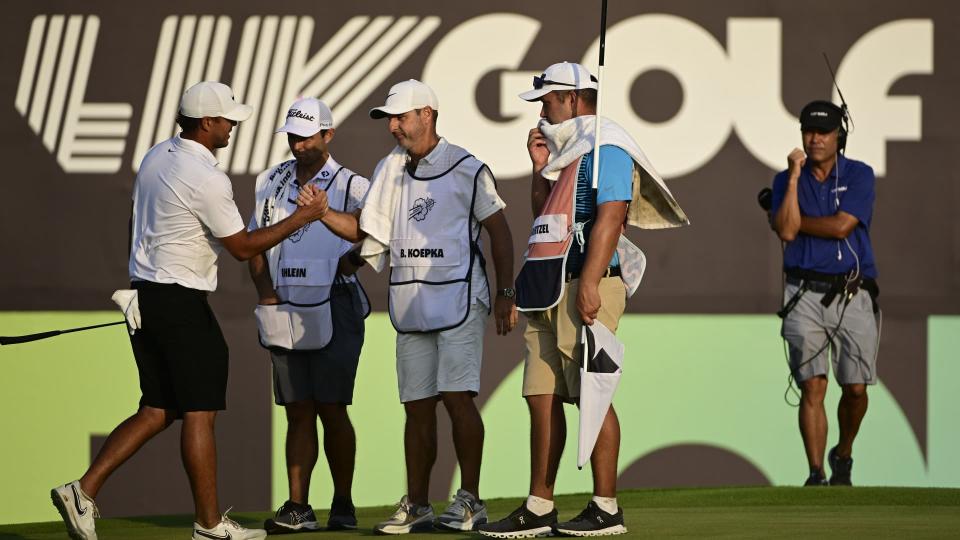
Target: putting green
772 512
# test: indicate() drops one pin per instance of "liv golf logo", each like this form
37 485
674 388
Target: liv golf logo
273 67
730 87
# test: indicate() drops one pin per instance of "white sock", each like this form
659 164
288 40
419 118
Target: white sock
538 506
607 504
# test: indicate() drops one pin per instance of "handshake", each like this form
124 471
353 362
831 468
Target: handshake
312 203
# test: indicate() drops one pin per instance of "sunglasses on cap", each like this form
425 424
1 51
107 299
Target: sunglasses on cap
541 81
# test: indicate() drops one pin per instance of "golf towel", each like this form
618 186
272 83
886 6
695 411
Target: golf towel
382 202
652 205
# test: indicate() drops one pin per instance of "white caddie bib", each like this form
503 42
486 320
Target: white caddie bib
542 279
549 228
433 250
437 251
304 268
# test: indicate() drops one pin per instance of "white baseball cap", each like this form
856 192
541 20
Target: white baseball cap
562 76
307 117
213 99
406 96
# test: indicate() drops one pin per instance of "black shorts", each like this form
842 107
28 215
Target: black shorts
326 375
180 351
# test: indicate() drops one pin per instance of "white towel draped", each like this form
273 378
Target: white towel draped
652 205
377 217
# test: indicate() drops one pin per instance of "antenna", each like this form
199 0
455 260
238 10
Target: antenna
846 110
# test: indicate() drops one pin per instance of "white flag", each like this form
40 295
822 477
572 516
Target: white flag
600 370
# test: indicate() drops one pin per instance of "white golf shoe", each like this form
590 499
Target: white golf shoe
77 509
227 529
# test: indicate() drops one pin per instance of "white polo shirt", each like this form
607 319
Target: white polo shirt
181 204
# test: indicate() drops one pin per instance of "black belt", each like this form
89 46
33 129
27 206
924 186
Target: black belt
830 285
815 286
612 271
171 288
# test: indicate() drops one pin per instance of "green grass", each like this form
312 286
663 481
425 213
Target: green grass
762 512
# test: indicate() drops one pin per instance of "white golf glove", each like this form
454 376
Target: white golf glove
130 306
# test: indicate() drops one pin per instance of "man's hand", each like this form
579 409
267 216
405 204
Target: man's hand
313 201
349 265
505 313
537 148
795 162
270 299
588 302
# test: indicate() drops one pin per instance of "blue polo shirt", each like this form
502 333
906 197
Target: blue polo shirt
855 189
615 184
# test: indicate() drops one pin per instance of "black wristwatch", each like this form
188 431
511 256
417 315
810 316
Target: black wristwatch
507 293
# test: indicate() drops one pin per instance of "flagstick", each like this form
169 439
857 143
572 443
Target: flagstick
596 134
596 153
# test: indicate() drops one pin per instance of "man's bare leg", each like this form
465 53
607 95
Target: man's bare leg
198 448
467 437
420 446
123 442
813 420
548 433
302 448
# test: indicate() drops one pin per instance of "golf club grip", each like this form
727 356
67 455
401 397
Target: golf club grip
603 30
11 340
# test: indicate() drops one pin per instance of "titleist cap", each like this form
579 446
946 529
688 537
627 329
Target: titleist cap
307 117
213 99
562 76
406 96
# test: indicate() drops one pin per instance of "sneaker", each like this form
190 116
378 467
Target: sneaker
292 517
593 521
463 514
409 517
77 509
840 468
521 523
227 529
816 478
343 515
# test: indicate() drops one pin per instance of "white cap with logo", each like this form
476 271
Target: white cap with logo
562 76
406 96
213 99
307 117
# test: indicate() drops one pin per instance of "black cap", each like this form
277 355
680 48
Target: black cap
820 116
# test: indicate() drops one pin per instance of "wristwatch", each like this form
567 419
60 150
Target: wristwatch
507 293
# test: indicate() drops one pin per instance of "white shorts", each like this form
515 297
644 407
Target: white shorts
447 361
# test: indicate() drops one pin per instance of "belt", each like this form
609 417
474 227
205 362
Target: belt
816 281
812 285
830 285
612 271
167 288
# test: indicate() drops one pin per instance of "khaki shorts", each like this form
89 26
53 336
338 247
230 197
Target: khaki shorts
551 363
